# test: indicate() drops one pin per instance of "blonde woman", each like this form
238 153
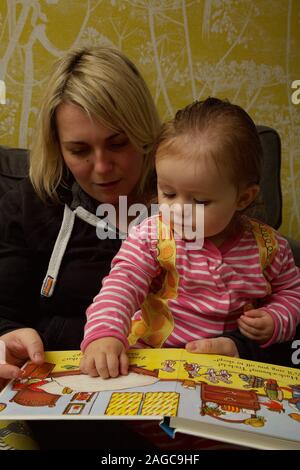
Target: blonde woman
93 143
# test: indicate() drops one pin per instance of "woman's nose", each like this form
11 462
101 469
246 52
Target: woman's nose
102 162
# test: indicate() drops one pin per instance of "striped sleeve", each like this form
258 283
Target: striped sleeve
124 289
284 302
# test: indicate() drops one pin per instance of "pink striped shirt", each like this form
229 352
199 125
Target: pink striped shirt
214 286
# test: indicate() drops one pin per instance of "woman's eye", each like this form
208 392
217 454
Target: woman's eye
118 145
79 152
168 195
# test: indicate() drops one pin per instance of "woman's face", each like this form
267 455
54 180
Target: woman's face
104 163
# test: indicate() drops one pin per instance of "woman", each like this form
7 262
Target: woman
93 142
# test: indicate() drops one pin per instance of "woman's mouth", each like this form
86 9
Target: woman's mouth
109 185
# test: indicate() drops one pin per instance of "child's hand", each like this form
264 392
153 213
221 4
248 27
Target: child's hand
257 325
105 357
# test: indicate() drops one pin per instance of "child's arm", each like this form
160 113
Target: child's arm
257 324
283 304
123 291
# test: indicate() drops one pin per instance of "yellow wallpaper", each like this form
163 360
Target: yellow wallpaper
245 50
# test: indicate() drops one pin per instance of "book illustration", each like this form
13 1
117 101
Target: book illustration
126 403
83 396
145 404
162 383
74 409
160 403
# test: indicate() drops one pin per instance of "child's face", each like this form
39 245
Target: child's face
186 181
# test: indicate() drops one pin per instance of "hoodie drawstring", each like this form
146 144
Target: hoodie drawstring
64 236
61 244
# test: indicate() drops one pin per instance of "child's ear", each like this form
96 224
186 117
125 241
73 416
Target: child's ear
247 196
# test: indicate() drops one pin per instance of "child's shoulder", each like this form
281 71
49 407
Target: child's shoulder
256 225
265 235
146 226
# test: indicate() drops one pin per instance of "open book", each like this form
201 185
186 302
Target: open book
227 399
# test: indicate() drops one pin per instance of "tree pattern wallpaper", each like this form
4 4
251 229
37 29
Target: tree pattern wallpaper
245 50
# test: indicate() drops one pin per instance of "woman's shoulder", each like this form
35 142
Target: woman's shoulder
22 204
17 196
24 193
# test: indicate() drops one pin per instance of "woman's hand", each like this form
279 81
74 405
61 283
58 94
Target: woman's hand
222 346
105 357
20 345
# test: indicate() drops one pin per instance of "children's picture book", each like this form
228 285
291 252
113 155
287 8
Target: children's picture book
228 399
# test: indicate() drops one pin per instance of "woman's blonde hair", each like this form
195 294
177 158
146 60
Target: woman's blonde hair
109 88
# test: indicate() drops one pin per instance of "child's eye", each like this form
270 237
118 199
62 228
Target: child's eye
205 203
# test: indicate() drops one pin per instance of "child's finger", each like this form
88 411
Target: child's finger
248 334
255 322
124 363
112 360
101 365
87 366
253 313
82 364
255 332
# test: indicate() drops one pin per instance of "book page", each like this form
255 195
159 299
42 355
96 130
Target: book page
226 393
58 390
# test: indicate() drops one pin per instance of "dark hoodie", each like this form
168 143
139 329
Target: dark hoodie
28 232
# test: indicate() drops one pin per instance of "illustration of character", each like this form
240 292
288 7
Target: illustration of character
168 366
32 383
192 369
212 376
212 409
224 376
252 381
273 391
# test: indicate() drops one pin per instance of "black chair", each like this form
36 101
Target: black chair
271 211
